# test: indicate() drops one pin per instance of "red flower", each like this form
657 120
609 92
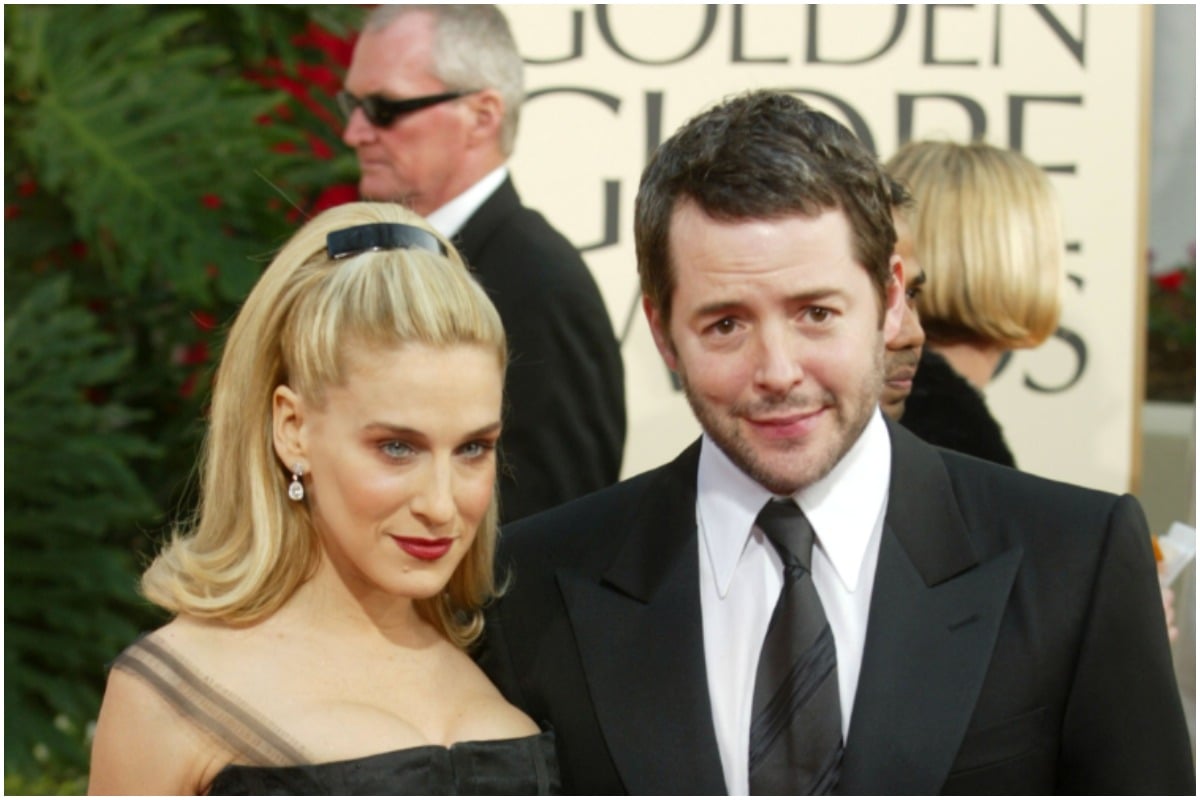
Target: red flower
211 200
334 196
292 86
27 187
321 76
188 387
95 395
320 148
195 353
338 49
79 249
284 147
12 211
1170 281
204 320
298 89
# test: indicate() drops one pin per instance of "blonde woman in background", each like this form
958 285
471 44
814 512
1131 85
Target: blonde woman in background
337 565
986 228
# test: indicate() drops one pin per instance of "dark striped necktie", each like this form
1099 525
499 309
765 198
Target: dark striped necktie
796 724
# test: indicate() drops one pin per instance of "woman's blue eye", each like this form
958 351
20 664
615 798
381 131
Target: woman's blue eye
477 449
396 449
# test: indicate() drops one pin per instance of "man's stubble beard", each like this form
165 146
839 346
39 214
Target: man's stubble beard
723 427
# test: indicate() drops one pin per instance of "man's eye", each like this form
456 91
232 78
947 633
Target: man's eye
724 326
819 314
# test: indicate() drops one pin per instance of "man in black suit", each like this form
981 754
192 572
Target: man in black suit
993 632
432 100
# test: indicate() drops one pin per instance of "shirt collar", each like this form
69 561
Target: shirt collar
448 219
843 507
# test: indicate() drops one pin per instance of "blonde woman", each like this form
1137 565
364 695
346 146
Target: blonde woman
986 229
334 574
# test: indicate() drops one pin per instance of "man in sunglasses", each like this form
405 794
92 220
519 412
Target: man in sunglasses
431 101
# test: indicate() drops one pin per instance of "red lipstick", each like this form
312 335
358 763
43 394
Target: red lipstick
424 549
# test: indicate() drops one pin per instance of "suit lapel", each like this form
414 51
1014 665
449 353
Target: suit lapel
471 239
935 613
641 641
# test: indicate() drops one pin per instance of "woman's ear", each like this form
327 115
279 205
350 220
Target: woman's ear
287 426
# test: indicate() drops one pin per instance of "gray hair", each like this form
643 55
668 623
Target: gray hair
474 49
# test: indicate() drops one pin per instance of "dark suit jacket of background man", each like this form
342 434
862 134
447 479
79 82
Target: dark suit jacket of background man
564 396
1016 641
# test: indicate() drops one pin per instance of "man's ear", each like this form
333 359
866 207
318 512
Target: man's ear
895 306
287 426
487 115
662 337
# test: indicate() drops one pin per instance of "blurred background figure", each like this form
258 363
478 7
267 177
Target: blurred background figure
903 353
432 100
325 593
986 229
987 225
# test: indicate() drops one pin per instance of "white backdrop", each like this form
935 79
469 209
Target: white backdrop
1067 85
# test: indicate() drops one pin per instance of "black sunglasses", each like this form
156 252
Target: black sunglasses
382 112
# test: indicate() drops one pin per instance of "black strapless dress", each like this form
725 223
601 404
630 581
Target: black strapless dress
507 766
269 762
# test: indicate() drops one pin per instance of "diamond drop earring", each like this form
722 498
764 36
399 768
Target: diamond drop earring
296 488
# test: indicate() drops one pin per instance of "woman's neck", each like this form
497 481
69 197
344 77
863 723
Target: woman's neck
328 601
975 362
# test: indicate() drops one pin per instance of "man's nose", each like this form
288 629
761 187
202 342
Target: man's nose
778 360
911 335
358 130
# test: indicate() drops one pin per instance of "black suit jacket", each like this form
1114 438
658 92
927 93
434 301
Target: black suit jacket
944 409
1015 644
564 422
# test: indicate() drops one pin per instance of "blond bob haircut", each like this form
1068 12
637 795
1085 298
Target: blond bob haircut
987 229
248 547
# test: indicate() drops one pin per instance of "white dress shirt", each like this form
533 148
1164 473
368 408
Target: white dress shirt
448 219
741 577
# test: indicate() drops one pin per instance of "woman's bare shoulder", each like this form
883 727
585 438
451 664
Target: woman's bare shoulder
143 744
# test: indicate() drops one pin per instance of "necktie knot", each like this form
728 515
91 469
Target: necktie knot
790 532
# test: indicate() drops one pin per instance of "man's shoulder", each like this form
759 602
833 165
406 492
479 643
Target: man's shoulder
590 529
1061 530
504 229
1025 507
980 476
567 529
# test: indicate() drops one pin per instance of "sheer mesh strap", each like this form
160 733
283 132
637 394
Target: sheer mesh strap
210 708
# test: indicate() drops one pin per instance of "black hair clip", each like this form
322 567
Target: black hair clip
381 236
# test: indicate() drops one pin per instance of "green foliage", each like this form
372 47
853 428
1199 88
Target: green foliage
69 597
155 158
1171 328
131 131
55 782
1173 305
